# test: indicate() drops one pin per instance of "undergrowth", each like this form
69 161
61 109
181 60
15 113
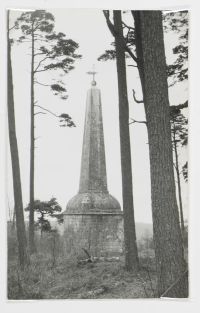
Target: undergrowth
67 280
55 275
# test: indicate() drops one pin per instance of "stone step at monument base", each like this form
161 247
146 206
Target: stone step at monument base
101 234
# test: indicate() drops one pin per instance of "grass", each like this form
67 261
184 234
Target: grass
68 280
53 275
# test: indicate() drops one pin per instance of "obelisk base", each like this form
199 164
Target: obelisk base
101 234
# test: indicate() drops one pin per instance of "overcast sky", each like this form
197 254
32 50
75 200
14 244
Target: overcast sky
58 152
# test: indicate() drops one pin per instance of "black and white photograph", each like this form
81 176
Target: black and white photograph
97 153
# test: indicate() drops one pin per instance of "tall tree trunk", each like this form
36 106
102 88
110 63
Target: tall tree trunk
178 182
32 247
13 218
152 67
131 253
20 225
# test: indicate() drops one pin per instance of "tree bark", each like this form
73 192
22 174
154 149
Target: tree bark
131 253
152 68
20 225
32 247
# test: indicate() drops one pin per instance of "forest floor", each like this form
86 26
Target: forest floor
61 278
53 274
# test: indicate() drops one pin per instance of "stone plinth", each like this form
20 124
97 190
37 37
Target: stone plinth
100 234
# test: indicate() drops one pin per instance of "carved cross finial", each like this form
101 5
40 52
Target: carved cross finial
93 73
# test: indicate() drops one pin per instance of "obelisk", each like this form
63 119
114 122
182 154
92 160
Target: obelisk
93 215
93 166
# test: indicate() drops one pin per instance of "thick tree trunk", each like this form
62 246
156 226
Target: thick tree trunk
178 183
152 67
131 253
32 247
20 225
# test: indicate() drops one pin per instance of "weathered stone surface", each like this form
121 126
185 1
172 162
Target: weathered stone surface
93 165
99 234
93 219
93 202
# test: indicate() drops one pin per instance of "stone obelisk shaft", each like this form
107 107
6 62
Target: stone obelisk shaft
93 166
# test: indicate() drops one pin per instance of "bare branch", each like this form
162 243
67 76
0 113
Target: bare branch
137 101
108 21
39 106
134 121
127 49
129 27
39 113
11 28
37 82
132 65
127 37
115 34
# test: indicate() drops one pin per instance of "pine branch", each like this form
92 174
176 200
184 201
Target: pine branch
180 106
43 70
44 59
172 84
44 40
39 53
36 27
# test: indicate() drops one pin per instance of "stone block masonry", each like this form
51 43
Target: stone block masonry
100 234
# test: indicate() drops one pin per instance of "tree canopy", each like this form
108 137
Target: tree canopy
52 51
45 210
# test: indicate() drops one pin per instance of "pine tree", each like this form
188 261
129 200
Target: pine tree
152 67
49 51
18 203
179 138
46 209
131 253
177 22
